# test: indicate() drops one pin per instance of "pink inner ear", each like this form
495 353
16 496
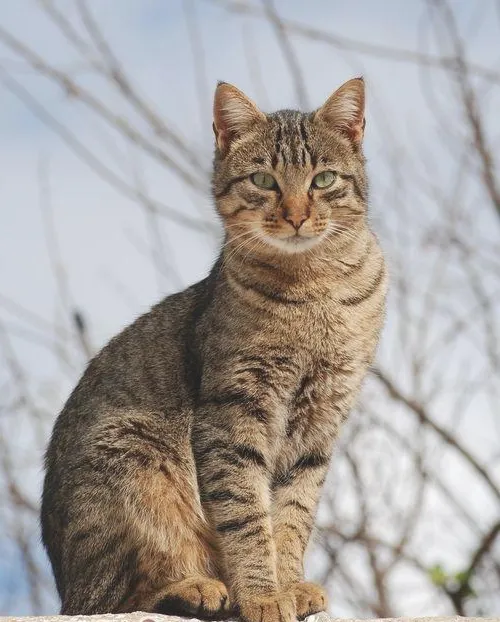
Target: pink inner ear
220 123
219 119
344 110
234 113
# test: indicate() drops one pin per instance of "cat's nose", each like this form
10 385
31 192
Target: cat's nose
296 221
295 212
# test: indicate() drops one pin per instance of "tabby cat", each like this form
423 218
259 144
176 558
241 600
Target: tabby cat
184 471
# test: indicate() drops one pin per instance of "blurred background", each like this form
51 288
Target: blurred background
105 157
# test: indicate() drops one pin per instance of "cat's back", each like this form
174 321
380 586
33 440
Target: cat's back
130 369
141 370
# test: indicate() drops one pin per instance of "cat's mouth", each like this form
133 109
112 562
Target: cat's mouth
298 239
294 243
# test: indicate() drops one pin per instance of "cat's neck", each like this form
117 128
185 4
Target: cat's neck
307 275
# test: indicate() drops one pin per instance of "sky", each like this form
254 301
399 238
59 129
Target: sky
101 233
102 236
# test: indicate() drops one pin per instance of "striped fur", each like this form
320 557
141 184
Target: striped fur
184 471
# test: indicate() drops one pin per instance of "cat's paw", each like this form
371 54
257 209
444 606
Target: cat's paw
309 598
202 597
271 608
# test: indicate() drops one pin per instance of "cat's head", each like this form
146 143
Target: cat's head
289 180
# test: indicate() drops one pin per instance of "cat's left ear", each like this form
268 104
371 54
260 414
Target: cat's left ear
345 110
234 113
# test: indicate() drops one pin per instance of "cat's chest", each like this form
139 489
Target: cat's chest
310 409
330 332
334 358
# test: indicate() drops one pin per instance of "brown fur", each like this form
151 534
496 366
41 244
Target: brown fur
184 471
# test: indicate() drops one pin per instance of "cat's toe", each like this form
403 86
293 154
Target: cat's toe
203 597
309 598
273 608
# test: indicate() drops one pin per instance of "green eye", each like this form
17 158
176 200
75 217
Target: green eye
264 180
324 179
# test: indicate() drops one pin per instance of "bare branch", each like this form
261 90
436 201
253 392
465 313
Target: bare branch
288 53
425 418
361 47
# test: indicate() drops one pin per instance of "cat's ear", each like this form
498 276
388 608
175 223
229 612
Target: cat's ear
234 113
344 110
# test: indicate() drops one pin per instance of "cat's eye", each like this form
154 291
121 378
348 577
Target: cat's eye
324 179
264 181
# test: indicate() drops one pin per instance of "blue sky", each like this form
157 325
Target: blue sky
103 236
150 38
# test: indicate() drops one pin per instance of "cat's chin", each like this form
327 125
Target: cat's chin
293 244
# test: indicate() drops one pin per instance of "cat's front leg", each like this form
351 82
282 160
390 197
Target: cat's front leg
230 447
295 496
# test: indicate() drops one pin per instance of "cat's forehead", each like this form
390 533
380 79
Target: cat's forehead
295 140
292 142
289 120
291 133
290 125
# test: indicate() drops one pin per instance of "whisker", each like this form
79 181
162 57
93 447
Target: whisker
342 230
236 251
248 238
259 240
253 235
237 237
235 224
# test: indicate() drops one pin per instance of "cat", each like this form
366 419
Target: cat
183 473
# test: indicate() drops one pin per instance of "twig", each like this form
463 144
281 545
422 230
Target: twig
288 53
424 417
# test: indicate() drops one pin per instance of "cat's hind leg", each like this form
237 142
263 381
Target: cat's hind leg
177 566
135 536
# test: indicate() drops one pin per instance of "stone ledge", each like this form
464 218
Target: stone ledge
148 617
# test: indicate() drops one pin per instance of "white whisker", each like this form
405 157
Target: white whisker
252 235
237 237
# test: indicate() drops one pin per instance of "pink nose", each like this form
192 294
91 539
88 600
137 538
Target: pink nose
295 211
295 220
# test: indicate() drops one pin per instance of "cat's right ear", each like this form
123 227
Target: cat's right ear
234 113
345 110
